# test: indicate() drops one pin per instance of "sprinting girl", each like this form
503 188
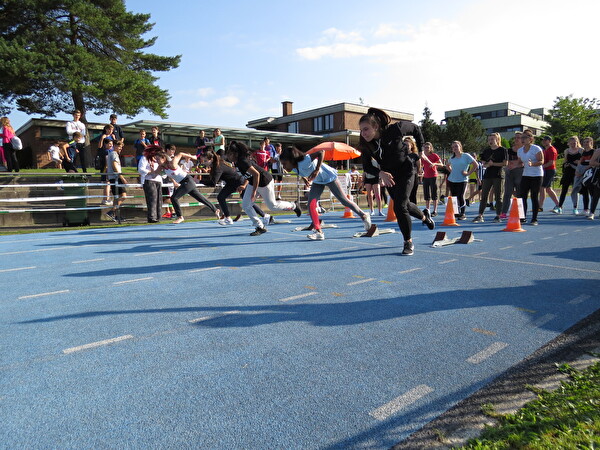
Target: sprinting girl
260 183
312 169
185 181
221 170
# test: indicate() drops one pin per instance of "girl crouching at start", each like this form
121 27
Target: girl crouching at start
318 175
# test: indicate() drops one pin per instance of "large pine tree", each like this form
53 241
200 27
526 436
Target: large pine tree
60 55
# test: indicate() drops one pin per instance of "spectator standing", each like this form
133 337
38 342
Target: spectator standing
494 159
277 171
7 132
512 174
430 162
201 143
108 146
262 156
571 161
117 130
140 145
594 188
155 138
151 180
219 142
116 180
416 160
461 166
532 157
550 156
578 187
76 125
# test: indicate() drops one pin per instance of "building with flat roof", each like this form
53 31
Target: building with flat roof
505 118
338 122
38 134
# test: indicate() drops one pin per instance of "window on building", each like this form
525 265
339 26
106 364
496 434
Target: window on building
323 123
293 127
318 124
328 122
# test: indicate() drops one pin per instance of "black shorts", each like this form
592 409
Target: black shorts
371 181
548 177
117 191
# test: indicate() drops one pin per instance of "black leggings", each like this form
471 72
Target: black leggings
187 186
224 194
567 180
457 190
403 208
430 191
532 184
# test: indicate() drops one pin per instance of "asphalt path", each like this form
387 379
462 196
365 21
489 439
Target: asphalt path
196 335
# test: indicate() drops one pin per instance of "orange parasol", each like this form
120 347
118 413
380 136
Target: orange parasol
335 151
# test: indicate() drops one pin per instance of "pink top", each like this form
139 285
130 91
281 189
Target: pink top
7 134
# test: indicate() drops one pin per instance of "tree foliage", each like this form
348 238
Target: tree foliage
429 128
60 55
572 117
466 129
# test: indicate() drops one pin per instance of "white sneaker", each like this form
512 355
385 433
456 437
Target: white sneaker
367 222
107 202
266 219
225 222
586 212
316 236
590 217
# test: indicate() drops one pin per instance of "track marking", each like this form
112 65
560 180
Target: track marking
384 281
486 332
43 294
577 231
480 254
528 242
132 281
96 344
563 234
337 294
348 248
543 320
310 287
15 269
486 353
366 280
149 253
410 270
547 237
577 300
447 261
33 251
527 310
206 269
505 248
213 316
296 297
489 258
401 402
87 261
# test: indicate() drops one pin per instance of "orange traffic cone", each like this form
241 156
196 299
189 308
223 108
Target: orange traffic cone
348 212
449 219
391 216
514 222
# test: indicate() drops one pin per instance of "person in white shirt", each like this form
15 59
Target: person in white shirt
151 181
55 155
72 127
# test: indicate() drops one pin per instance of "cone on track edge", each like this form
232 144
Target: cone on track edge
391 216
514 221
449 219
348 212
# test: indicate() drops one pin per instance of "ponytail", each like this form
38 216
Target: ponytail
216 161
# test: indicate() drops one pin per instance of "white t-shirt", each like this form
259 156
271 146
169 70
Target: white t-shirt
531 155
72 127
54 152
112 159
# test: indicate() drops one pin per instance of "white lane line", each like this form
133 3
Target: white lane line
43 294
66 351
14 269
547 237
486 353
411 270
366 280
132 281
505 248
205 269
296 297
401 402
348 248
213 316
480 254
580 299
543 320
448 261
563 234
32 251
528 242
87 261
149 253
577 231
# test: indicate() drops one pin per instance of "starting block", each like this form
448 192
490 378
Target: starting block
374 232
310 227
441 240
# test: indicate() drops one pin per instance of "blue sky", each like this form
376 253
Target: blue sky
241 59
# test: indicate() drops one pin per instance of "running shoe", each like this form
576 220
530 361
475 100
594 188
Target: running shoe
111 216
167 215
427 219
381 214
316 236
575 212
266 220
433 214
179 220
503 216
590 217
478 219
409 249
367 222
121 219
271 220
372 213
225 222
107 202
586 212
462 217
533 223
496 219
258 231
540 209
557 210
297 209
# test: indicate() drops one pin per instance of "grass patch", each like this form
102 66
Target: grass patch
567 418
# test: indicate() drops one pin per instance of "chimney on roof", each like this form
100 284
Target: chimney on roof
287 108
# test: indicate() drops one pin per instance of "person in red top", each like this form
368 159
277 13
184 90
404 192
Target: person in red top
431 162
550 155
